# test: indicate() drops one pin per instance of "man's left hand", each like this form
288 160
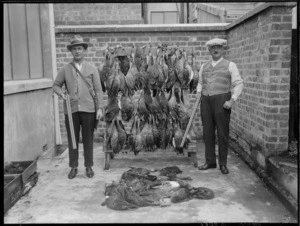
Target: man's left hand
228 104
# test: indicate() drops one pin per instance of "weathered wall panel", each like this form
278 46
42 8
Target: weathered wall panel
34 40
19 40
28 125
6 39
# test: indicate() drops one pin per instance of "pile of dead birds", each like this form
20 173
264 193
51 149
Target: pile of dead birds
139 187
159 115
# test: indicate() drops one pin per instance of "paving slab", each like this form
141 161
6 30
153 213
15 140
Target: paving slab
240 196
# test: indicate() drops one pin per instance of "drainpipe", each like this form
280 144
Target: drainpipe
58 139
182 12
188 13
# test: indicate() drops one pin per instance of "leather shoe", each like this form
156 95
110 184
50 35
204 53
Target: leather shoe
224 169
207 166
89 172
72 173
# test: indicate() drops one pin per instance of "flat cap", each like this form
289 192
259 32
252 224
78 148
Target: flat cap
216 41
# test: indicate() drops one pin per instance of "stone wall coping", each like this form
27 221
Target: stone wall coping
257 10
168 27
140 28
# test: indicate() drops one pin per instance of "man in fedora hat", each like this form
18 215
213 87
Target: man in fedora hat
217 78
77 83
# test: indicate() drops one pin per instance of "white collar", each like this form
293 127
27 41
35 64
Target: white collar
215 62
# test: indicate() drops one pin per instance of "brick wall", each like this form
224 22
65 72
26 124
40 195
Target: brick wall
186 39
259 43
261 48
97 13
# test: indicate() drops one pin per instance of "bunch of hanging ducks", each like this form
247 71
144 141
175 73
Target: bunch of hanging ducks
157 113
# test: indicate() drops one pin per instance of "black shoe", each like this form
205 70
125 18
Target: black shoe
89 172
224 169
207 166
72 173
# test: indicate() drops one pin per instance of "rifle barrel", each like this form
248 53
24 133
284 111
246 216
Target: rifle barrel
71 126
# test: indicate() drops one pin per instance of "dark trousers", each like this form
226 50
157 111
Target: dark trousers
85 120
214 116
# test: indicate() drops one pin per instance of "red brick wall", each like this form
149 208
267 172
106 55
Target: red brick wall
261 47
97 13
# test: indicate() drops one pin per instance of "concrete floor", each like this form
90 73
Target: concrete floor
240 196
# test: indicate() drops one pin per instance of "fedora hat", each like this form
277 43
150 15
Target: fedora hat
77 40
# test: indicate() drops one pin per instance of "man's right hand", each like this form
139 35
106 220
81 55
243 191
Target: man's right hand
63 95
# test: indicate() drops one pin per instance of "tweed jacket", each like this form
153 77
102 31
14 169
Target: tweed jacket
80 97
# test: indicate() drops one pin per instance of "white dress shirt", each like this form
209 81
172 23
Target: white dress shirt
236 80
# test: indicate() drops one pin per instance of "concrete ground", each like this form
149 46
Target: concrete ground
240 196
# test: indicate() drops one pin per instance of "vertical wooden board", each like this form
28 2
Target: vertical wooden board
171 18
34 41
48 42
157 18
7 57
19 42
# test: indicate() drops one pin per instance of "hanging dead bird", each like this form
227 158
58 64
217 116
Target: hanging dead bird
113 82
156 134
122 136
179 65
109 133
161 127
127 107
142 109
154 107
132 133
130 81
138 139
172 76
163 103
184 117
178 135
154 70
164 66
114 139
123 58
141 78
174 104
147 137
169 132
106 70
112 109
139 56
195 80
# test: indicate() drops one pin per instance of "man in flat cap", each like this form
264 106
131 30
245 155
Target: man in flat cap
82 84
220 84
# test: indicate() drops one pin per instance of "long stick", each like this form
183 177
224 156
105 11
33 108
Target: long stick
71 121
191 120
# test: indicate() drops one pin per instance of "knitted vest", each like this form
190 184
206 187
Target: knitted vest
216 80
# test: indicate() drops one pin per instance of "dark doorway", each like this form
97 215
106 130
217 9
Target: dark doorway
294 92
